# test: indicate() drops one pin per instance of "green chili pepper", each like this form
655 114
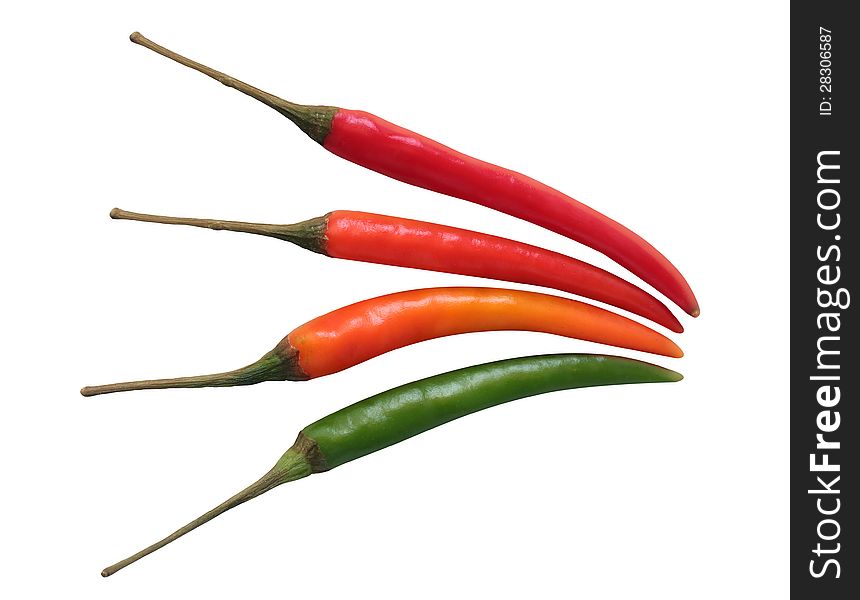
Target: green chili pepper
400 413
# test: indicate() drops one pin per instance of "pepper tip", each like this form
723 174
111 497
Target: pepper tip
694 310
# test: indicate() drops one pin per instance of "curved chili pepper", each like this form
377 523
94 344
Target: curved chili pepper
403 412
358 332
388 240
381 146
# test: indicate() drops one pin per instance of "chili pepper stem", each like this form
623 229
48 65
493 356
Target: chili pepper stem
315 121
277 365
308 234
293 465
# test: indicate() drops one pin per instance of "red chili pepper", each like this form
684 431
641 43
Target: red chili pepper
353 334
374 143
406 243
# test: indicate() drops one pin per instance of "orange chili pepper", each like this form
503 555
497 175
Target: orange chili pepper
358 332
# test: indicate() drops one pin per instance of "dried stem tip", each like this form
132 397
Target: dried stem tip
313 120
281 364
310 234
293 465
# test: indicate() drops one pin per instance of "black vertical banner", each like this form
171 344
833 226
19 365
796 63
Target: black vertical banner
825 225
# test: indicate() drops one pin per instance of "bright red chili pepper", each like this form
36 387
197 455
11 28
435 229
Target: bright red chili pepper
374 143
406 243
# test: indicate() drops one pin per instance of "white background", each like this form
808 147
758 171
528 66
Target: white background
669 116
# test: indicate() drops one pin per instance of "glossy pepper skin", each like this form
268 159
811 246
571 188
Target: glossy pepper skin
373 327
353 334
408 243
396 241
400 413
386 148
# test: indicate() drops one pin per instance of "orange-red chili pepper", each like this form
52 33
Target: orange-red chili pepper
376 144
358 332
406 243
